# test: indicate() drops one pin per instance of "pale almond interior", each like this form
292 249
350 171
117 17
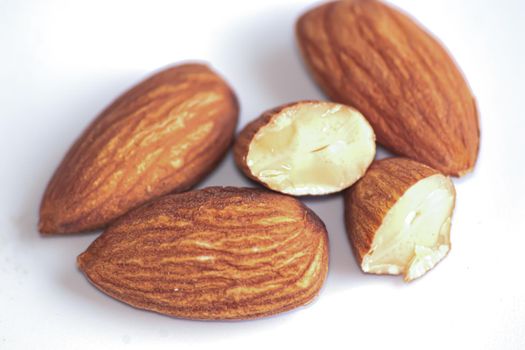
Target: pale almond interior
415 234
312 148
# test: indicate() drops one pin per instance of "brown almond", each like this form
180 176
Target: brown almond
211 254
162 136
306 148
398 217
369 55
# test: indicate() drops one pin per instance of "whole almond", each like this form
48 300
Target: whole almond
398 217
217 253
162 136
306 148
371 56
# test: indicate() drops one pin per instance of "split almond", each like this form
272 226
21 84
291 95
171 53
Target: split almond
306 148
369 55
398 218
217 253
162 136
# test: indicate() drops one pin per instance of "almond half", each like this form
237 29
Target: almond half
212 254
398 218
306 148
163 135
371 56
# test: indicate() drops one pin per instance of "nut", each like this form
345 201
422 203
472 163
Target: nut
371 56
398 218
163 135
217 253
306 148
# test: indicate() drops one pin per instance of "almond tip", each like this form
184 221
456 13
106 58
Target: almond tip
81 261
45 226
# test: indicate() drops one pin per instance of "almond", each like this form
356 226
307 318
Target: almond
373 57
306 148
163 135
398 217
217 253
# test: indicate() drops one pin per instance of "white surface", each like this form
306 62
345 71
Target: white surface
62 62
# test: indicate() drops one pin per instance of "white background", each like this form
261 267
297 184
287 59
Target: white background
61 62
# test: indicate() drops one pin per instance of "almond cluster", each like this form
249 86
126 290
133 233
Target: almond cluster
226 253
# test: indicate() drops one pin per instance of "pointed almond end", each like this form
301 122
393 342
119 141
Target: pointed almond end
82 261
86 260
462 173
47 225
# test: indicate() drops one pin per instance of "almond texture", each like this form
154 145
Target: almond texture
398 218
373 57
306 148
163 135
217 253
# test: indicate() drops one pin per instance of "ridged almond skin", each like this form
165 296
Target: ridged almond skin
371 56
370 199
162 136
220 253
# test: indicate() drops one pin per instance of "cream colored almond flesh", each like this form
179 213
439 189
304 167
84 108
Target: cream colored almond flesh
415 234
312 148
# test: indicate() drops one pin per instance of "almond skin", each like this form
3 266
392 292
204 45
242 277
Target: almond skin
220 253
371 56
370 200
162 136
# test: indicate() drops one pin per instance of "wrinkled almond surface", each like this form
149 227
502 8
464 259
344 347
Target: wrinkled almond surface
371 56
161 136
217 253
